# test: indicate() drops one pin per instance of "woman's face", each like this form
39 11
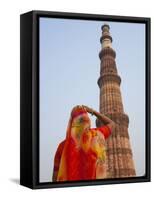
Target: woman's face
81 122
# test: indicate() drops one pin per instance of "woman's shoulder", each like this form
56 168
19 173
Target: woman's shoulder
105 130
61 146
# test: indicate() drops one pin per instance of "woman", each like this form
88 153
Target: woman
81 156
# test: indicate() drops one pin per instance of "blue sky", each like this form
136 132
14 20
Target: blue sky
69 70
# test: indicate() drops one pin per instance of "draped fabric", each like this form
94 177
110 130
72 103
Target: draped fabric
81 156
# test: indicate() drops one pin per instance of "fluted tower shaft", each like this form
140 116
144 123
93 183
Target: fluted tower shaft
119 154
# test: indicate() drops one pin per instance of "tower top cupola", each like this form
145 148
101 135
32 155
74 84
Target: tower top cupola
106 39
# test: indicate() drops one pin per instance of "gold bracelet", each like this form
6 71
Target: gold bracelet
92 111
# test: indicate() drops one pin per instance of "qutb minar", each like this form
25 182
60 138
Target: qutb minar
119 154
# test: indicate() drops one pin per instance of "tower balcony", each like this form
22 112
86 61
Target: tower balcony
104 36
107 78
107 52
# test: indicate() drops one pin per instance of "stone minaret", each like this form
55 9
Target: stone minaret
119 154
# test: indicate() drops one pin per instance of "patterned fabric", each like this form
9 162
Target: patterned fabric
81 156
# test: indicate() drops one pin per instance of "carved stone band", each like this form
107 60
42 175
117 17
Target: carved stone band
108 78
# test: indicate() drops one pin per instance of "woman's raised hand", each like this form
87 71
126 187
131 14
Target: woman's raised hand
90 110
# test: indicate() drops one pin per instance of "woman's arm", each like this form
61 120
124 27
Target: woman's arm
101 117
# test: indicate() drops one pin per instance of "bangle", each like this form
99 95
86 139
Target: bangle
92 113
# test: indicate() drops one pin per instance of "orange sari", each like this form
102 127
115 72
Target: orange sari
81 156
